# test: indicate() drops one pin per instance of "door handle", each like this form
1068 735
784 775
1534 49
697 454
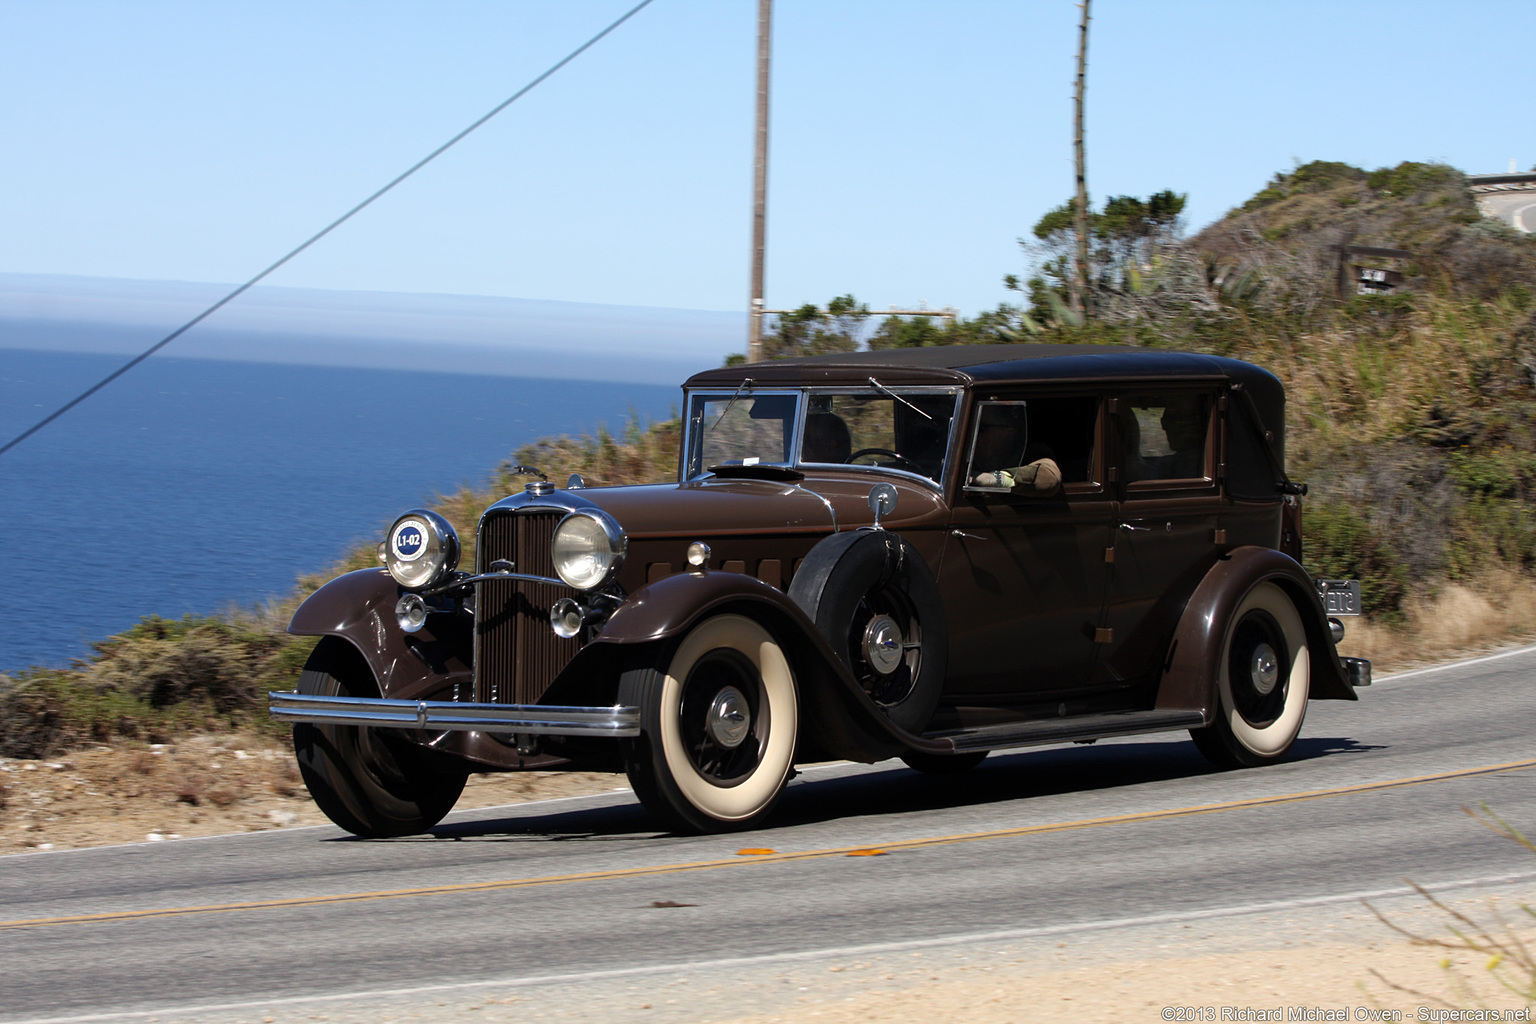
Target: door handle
1143 529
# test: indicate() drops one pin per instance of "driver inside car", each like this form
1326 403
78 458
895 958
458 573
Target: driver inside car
826 438
1001 459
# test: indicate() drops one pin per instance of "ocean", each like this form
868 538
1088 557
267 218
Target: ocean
193 485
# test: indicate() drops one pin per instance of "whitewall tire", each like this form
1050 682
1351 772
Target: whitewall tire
719 718
1263 681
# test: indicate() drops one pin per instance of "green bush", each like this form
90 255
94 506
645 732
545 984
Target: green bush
1340 544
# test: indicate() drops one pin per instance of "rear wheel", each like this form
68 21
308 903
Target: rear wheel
1262 683
718 724
374 783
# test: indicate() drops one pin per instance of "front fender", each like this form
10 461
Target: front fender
359 607
1193 662
666 608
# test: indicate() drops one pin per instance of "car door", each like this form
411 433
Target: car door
1166 522
1023 574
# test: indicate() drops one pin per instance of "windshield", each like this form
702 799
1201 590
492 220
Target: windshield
905 431
741 429
892 429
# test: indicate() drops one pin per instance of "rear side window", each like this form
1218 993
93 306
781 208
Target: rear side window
1166 436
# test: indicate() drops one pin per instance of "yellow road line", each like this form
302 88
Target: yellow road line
775 858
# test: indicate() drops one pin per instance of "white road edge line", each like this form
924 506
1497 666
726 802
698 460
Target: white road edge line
867 949
1520 217
1395 677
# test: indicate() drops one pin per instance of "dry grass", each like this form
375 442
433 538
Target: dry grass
1497 609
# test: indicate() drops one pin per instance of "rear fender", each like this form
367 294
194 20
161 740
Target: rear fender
1192 664
359 607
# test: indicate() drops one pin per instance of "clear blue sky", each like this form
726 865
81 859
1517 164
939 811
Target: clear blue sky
913 140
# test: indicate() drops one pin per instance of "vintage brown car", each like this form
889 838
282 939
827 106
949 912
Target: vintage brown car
928 554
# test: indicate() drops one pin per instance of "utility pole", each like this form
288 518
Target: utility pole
760 181
1080 201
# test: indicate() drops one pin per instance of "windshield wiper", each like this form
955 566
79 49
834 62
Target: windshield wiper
746 382
898 398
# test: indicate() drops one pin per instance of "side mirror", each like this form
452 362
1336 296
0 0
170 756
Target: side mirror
882 500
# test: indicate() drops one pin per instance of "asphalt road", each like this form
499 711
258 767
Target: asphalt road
1515 208
1130 834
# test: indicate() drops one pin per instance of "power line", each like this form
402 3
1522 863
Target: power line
332 226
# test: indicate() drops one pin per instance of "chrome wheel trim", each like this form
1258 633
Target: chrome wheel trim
1264 668
883 644
729 718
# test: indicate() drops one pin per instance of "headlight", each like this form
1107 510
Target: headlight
421 548
587 550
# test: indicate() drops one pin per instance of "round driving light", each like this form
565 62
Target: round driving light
566 617
420 549
411 612
587 551
698 555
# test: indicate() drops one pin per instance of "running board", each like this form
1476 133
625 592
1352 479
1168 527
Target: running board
1065 730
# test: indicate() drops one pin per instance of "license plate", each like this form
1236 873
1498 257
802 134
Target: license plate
1340 597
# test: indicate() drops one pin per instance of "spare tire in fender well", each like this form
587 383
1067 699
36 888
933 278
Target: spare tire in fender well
874 601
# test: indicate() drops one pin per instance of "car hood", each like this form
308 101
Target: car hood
712 506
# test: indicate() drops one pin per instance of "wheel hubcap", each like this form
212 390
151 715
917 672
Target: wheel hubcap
883 644
729 718
1264 668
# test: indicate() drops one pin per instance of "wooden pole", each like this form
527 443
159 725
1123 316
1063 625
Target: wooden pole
1080 200
760 181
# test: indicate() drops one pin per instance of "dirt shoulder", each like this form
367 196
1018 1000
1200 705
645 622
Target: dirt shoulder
202 786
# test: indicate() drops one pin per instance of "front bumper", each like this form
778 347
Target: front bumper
451 716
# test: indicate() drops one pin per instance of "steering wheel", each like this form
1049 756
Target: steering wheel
900 460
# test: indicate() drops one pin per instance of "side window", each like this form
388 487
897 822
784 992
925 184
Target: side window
1165 436
1033 445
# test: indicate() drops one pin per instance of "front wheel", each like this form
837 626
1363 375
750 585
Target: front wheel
718 724
374 783
1263 682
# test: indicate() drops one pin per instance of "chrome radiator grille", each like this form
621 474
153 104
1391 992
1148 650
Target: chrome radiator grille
517 654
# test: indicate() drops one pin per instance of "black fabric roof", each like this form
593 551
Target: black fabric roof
989 363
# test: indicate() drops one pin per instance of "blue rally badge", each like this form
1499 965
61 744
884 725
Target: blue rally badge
408 542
